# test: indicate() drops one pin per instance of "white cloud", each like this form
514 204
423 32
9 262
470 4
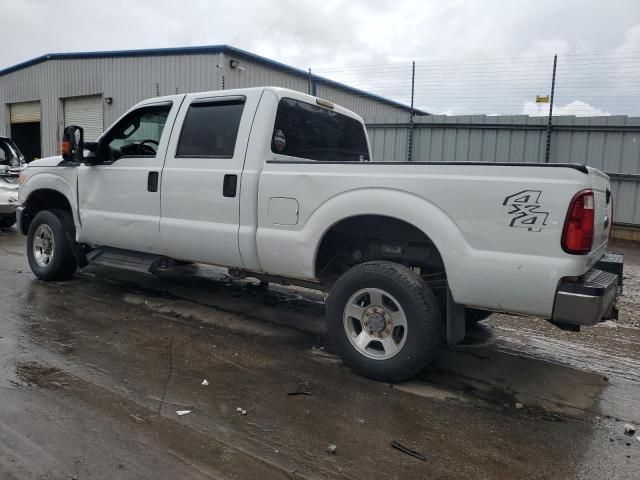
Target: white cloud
577 108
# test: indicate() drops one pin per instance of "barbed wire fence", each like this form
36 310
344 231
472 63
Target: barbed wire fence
581 85
586 84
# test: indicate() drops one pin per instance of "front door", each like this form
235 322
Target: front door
201 178
120 196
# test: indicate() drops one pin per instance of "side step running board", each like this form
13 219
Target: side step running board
117 258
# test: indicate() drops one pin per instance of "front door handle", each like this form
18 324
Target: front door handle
230 185
152 181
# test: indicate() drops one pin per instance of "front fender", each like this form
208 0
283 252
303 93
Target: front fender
49 181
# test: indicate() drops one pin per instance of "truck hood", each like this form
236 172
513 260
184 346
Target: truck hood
46 162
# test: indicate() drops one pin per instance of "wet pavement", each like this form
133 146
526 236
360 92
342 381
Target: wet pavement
93 371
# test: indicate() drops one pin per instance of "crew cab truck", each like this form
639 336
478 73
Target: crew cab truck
280 186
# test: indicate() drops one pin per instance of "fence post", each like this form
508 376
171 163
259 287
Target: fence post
410 136
550 121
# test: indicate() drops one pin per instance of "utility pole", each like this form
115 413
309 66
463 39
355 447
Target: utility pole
309 82
550 121
413 89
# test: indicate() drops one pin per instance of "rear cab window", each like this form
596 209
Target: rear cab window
312 132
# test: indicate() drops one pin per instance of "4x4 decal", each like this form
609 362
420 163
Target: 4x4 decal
524 207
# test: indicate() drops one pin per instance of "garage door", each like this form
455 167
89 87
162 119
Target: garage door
85 112
25 112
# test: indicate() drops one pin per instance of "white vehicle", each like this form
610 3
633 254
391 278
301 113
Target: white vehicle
11 163
278 185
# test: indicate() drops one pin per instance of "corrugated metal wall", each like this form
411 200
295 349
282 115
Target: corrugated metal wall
611 144
128 80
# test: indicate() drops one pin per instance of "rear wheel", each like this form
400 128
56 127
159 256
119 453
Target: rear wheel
49 245
383 320
7 222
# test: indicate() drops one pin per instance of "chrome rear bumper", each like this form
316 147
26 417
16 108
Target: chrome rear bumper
590 298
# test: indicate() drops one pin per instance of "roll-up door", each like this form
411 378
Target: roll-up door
25 128
85 112
25 112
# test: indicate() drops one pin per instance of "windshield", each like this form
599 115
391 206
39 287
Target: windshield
9 154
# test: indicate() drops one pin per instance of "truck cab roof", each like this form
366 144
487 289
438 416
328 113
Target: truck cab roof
279 92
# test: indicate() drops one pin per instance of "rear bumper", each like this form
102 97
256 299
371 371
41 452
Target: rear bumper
590 298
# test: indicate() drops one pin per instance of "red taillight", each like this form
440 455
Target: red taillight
612 213
577 236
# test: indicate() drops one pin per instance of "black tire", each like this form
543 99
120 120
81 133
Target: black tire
7 222
62 263
421 311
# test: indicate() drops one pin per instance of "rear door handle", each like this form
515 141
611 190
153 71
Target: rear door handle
152 181
230 185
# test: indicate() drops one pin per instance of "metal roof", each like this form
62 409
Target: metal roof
208 49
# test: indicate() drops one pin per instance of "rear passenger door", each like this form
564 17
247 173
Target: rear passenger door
200 196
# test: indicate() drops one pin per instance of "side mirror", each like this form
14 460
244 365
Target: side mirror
72 144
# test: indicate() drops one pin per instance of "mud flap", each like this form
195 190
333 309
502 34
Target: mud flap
69 232
456 325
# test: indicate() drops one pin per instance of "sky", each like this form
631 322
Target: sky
472 56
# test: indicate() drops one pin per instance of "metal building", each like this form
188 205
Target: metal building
38 98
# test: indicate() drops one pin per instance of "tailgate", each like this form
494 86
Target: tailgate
603 199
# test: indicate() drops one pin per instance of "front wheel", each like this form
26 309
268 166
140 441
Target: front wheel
49 245
384 321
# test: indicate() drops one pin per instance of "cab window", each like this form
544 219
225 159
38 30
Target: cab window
137 134
315 133
210 128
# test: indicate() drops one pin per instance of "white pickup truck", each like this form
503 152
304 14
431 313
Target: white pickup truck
280 186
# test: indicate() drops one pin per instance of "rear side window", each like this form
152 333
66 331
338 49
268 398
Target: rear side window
210 129
315 133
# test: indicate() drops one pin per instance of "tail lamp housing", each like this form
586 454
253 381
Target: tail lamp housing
577 235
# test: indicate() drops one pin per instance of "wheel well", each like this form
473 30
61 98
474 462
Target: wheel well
43 199
365 238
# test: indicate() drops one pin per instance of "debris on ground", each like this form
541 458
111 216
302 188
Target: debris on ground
301 391
136 418
519 406
331 449
182 412
204 382
408 451
629 429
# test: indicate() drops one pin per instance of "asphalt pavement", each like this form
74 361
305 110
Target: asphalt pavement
94 374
